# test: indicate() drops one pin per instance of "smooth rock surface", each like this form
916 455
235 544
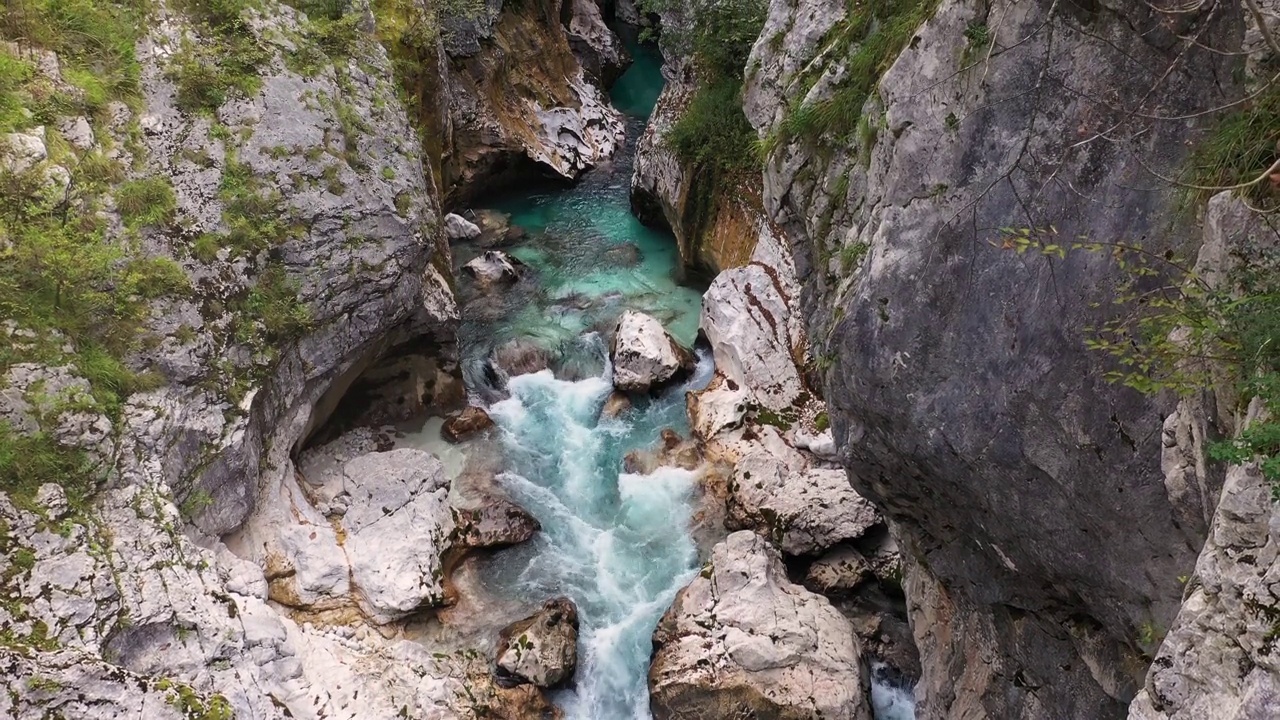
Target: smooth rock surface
457 227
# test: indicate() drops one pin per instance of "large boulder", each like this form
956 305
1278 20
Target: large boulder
541 649
741 641
644 355
457 228
803 509
747 317
397 527
493 268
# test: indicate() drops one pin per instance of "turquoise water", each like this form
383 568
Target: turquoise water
617 544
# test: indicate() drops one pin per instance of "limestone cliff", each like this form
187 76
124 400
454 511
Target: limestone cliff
260 182
1039 535
501 93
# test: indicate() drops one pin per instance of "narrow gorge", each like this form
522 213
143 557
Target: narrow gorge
639 359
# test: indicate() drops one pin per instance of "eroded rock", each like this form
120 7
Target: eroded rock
803 509
742 641
644 355
542 649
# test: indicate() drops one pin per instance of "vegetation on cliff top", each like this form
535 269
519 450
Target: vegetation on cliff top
712 137
867 42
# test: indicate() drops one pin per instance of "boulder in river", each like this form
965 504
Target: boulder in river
624 255
541 649
470 421
457 227
644 355
491 521
519 356
616 404
742 641
492 268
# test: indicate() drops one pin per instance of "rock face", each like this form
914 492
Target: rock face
644 356
1218 657
542 649
962 397
742 641
601 53
514 101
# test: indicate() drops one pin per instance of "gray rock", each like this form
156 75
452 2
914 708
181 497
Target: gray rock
493 268
397 527
742 641
747 319
542 649
78 132
644 355
457 228
970 412
804 510
22 151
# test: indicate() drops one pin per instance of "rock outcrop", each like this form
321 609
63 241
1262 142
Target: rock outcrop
804 509
962 397
541 649
742 641
511 99
1217 658
644 356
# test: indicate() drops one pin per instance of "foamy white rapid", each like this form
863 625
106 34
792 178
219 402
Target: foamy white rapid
617 544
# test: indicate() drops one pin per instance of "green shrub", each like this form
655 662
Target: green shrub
29 460
871 37
149 201
225 63
1177 332
95 42
272 302
14 74
713 130
1237 150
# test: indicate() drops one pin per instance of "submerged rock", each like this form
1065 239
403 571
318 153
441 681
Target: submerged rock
470 421
644 355
457 227
541 649
624 255
520 357
492 268
616 404
741 641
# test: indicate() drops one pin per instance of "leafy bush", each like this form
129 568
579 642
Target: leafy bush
714 131
1175 331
